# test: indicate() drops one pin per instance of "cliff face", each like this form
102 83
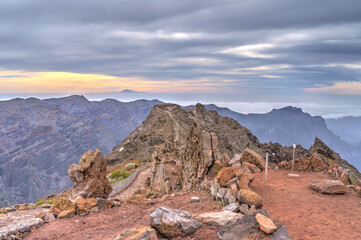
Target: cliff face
184 144
40 139
168 127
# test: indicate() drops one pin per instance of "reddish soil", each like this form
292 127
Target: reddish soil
306 213
106 224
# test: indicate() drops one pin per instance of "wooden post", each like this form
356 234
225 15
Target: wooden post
266 170
293 158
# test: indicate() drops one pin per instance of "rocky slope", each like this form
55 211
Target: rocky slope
291 125
169 127
40 139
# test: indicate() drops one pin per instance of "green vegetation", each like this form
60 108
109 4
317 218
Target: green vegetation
40 202
130 166
118 175
51 202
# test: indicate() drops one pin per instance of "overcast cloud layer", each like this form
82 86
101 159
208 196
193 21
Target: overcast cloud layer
273 51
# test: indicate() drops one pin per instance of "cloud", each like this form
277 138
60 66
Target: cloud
257 49
339 88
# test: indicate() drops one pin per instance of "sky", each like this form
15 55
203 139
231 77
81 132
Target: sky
248 55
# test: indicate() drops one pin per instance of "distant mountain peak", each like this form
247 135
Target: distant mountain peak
289 109
130 91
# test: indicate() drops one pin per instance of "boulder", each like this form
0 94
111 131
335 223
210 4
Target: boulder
266 224
244 228
233 207
61 205
327 186
137 233
253 168
172 223
281 234
66 214
83 205
250 198
244 179
218 219
254 158
226 174
89 176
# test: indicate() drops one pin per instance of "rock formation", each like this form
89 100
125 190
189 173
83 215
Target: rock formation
327 186
185 145
172 223
90 176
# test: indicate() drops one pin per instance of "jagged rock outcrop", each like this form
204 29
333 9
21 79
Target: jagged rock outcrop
89 176
184 145
330 158
314 163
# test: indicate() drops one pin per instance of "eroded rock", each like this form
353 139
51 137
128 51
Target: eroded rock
327 186
218 219
137 233
90 176
173 223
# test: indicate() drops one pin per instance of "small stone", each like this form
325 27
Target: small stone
94 210
244 209
251 198
233 207
49 217
45 205
266 224
293 175
264 212
195 199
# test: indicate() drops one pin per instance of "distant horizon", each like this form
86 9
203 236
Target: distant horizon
325 111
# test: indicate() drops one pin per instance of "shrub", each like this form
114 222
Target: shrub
118 175
51 202
40 202
130 166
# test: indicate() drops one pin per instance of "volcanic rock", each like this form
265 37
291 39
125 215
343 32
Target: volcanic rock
328 186
244 228
66 214
251 198
61 205
254 158
232 207
90 176
226 174
83 205
266 224
185 145
218 219
172 223
137 233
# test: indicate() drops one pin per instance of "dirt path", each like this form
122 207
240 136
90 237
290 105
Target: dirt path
138 183
306 213
105 224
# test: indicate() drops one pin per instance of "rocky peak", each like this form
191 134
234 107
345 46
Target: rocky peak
184 144
322 149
